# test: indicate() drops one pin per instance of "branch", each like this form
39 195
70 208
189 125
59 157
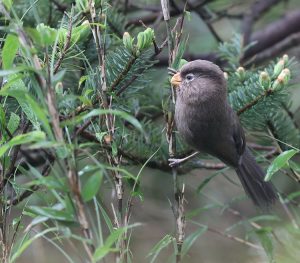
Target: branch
123 73
274 33
61 7
278 48
254 101
257 9
234 238
275 38
206 17
148 19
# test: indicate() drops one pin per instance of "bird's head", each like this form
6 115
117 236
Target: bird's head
199 80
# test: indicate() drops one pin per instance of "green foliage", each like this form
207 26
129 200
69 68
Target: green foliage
261 98
82 113
279 162
163 243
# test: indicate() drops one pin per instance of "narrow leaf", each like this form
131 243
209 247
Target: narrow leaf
279 162
190 240
164 242
92 186
33 136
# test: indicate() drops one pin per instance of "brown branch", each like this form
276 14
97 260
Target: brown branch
178 204
123 73
274 33
259 147
163 165
224 13
81 215
61 7
206 18
275 50
257 9
254 101
271 41
148 19
234 238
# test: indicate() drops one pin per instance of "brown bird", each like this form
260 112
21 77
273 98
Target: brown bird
206 122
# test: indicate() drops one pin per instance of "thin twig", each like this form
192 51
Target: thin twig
254 101
178 206
256 10
234 238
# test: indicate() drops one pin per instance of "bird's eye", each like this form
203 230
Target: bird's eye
189 77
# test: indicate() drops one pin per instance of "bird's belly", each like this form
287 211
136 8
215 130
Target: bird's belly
204 133
199 134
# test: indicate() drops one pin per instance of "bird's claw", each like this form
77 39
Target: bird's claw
174 162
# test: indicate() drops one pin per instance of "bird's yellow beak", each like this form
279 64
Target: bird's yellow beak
176 80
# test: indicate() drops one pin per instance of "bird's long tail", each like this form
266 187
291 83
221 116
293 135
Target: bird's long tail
263 194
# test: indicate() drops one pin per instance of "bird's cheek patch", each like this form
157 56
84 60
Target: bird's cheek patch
176 80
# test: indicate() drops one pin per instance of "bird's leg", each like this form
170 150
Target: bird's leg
176 162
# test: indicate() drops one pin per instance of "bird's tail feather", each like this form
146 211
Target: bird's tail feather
263 194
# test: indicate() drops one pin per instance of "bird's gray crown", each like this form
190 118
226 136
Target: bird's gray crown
202 67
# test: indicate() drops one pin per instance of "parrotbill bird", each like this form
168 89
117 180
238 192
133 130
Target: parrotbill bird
206 121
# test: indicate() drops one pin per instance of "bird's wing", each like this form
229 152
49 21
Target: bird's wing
238 135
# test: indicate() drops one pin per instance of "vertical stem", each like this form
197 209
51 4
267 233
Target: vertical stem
171 138
70 164
106 103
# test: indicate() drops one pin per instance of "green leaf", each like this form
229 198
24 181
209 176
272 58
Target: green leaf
209 178
264 218
293 195
190 240
51 213
199 210
8 4
9 51
97 112
2 118
13 122
164 242
295 166
40 113
28 242
15 70
16 88
102 251
106 218
33 136
82 80
279 162
42 34
92 186
31 108
81 33
266 241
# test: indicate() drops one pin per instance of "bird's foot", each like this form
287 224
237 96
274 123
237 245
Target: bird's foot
176 162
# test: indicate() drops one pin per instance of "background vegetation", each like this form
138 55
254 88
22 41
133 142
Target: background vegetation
86 131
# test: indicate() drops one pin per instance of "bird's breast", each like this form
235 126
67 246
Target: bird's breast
199 125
